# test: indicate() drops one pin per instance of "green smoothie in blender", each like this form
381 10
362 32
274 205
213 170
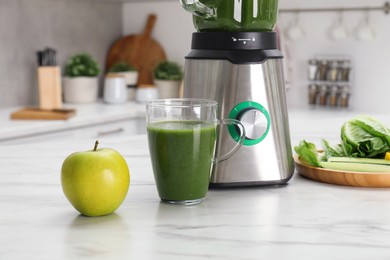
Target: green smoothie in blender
233 15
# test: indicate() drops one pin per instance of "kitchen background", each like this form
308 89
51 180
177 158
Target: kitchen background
73 26
69 26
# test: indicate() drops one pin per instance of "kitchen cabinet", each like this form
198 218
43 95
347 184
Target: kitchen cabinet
95 120
135 126
128 1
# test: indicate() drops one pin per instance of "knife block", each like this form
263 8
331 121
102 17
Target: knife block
49 84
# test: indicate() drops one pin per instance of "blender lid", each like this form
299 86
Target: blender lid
234 41
237 47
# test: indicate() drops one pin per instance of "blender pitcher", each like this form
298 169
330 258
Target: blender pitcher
233 15
235 60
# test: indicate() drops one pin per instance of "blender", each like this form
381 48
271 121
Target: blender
234 59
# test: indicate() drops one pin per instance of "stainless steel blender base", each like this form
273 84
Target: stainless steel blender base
255 95
280 183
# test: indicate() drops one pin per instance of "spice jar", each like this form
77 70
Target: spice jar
334 92
345 69
313 69
313 94
322 70
333 71
344 96
323 92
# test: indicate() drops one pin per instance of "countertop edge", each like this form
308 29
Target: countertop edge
86 115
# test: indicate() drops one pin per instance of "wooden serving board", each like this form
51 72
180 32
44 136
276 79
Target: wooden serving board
43 114
346 178
139 50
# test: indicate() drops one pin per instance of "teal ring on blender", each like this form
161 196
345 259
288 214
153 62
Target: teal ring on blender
235 113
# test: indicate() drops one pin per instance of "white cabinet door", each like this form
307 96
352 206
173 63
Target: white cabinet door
100 131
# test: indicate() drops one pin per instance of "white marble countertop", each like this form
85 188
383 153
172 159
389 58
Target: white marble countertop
303 220
311 124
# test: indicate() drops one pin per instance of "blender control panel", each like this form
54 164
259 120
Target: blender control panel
255 119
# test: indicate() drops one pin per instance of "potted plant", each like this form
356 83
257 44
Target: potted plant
81 81
167 78
129 72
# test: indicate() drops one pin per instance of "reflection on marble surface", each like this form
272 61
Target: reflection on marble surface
304 219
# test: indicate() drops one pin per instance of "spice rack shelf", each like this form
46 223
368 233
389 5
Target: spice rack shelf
385 8
330 81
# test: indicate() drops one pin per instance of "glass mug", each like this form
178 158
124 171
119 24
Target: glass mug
182 136
233 15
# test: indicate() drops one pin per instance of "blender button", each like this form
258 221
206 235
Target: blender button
255 123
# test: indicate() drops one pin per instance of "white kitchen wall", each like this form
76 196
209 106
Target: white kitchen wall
172 30
70 26
371 82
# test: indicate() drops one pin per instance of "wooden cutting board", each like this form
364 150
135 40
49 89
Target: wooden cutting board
43 114
346 178
139 50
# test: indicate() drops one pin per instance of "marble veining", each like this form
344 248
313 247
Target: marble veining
302 220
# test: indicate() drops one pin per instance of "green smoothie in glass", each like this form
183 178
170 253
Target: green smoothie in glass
182 134
182 153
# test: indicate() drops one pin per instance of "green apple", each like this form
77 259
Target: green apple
95 182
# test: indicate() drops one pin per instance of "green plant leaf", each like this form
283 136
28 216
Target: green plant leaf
364 136
81 65
332 151
168 70
122 66
308 153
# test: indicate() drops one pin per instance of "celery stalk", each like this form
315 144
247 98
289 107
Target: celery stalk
356 167
359 160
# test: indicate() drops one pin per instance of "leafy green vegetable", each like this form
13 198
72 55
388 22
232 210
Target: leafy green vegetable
363 138
331 151
373 126
308 153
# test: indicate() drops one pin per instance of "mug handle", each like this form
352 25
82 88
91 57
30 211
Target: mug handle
239 143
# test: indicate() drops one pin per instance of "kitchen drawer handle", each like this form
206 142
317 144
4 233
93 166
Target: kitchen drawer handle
110 132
